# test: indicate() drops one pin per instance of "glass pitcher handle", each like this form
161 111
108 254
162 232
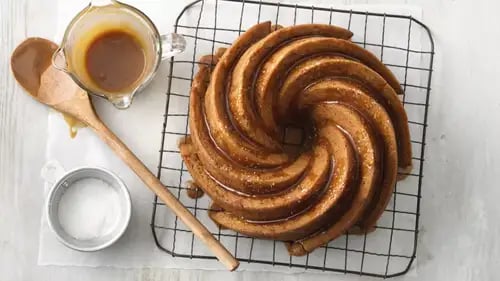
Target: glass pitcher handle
171 45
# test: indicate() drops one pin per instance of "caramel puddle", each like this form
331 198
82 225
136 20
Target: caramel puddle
30 59
193 191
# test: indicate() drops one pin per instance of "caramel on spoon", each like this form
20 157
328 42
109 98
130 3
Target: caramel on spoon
28 62
52 87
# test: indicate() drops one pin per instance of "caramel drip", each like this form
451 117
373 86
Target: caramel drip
193 191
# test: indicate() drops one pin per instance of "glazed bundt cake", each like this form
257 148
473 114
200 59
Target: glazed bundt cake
355 129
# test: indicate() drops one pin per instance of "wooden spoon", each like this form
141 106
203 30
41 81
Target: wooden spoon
57 90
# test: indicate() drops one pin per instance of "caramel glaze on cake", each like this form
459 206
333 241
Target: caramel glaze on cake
343 97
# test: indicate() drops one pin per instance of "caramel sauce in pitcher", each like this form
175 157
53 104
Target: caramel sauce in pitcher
115 60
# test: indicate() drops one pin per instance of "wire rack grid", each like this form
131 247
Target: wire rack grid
403 43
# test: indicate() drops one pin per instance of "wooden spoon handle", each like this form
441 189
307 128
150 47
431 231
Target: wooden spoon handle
165 195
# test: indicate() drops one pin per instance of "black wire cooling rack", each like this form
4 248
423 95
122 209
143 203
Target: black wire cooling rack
403 43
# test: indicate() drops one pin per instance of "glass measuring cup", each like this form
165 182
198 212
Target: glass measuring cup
104 15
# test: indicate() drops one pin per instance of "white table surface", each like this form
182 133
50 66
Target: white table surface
460 214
